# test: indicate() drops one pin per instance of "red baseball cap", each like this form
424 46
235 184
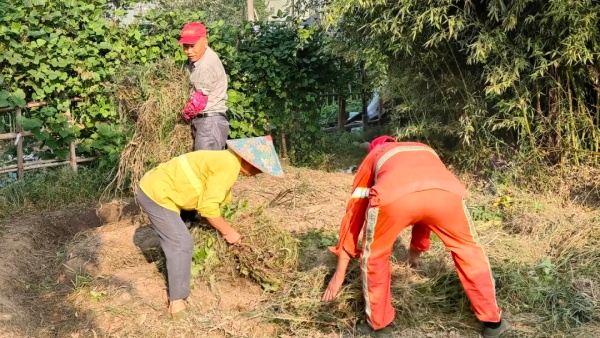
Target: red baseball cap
191 33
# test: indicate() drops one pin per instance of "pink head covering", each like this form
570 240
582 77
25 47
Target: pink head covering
379 141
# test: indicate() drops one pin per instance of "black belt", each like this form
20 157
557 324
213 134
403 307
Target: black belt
203 115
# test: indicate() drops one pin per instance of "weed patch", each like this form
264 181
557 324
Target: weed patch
546 292
51 189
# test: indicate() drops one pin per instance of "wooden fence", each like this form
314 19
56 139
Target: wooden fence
19 133
342 100
343 114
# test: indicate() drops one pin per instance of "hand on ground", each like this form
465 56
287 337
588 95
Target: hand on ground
414 258
233 237
333 289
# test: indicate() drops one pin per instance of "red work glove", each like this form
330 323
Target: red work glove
195 105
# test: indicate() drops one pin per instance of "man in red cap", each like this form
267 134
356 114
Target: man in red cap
206 109
400 184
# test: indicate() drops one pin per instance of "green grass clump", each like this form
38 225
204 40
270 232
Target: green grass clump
51 189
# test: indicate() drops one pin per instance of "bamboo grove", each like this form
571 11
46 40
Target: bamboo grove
520 75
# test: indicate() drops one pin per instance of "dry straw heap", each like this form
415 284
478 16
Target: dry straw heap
151 98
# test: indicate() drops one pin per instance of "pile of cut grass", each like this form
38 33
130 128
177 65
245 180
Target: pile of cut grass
151 97
267 254
545 260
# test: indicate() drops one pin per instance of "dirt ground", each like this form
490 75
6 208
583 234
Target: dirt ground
69 274
86 278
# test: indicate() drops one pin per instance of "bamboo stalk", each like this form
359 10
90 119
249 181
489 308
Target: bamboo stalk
14 166
527 126
586 114
554 115
458 66
571 116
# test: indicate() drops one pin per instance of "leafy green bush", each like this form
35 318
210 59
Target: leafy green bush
58 50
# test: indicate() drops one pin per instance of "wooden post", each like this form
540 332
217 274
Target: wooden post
284 146
250 10
363 93
342 116
73 157
19 130
72 153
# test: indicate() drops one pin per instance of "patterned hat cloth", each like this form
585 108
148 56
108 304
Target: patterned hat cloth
258 151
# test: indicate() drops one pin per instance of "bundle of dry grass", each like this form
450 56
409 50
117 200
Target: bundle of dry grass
151 98
298 305
268 254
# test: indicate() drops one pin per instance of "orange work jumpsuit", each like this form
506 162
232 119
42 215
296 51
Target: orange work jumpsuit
404 183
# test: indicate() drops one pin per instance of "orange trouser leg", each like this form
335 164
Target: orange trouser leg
383 226
447 215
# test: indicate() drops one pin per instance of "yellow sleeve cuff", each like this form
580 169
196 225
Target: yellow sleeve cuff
227 199
210 211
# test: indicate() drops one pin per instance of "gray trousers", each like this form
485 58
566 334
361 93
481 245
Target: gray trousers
210 133
176 242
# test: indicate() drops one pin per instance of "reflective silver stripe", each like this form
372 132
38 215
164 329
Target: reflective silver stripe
476 240
360 193
396 150
368 241
189 173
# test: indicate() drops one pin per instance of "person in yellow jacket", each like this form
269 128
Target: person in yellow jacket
202 181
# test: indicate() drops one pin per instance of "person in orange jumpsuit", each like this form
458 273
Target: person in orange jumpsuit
400 184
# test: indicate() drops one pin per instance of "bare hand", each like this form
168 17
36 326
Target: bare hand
230 234
233 237
333 289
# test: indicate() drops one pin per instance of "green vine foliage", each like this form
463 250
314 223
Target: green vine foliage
55 51
276 78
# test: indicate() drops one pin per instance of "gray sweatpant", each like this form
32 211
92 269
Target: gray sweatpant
210 133
176 242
